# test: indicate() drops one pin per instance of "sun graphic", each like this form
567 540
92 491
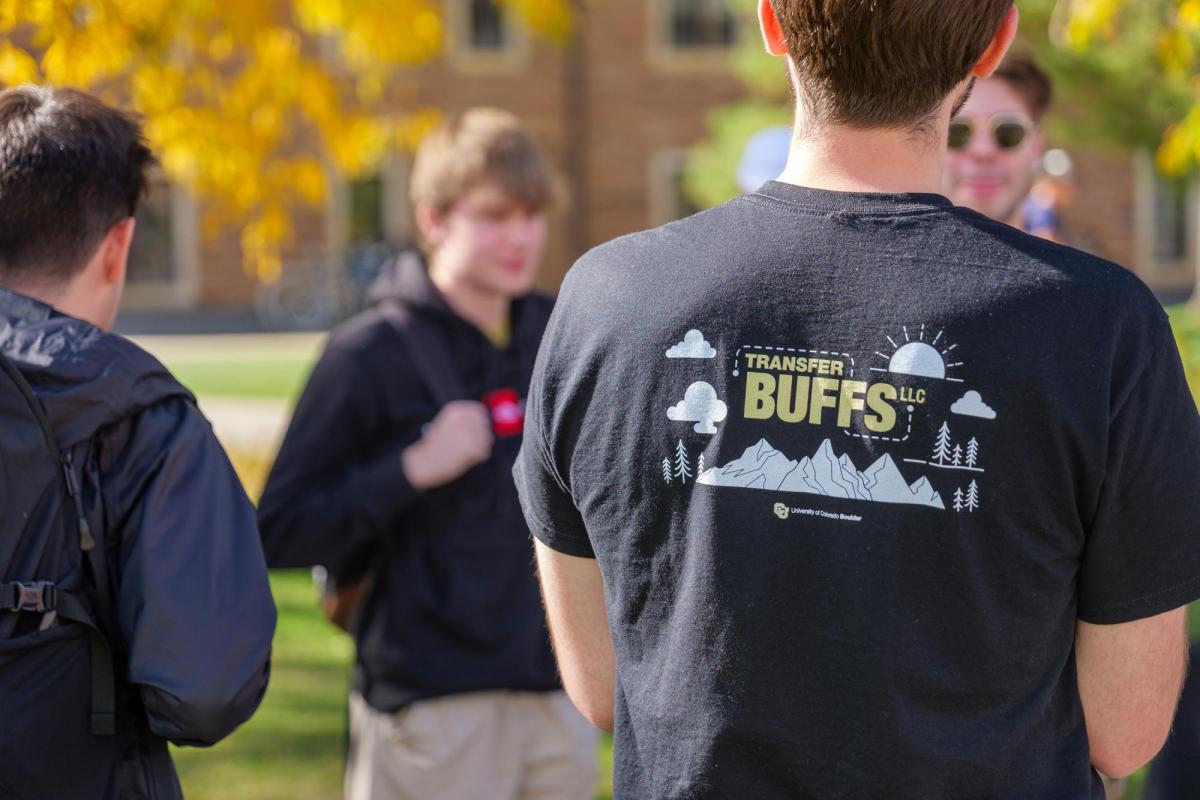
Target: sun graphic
918 357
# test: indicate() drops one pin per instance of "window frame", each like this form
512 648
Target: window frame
182 290
664 54
1163 271
398 223
663 172
462 56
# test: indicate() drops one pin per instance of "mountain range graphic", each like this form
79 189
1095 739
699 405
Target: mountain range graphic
825 473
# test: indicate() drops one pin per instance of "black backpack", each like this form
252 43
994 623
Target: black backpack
346 589
57 706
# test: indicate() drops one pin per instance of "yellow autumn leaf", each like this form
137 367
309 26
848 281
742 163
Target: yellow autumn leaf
16 66
1189 14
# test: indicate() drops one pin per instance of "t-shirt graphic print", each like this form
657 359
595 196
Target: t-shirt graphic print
818 388
853 466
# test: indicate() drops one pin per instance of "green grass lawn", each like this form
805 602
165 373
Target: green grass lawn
272 367
292 749
274 380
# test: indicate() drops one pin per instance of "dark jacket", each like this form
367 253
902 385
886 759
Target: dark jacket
455 605
182 591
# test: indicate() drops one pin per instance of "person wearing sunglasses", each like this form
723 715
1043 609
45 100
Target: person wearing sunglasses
996 147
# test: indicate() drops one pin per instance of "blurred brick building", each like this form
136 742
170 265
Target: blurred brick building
617 111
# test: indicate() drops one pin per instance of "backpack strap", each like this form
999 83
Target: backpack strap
47 598
103 717
44 597
426 347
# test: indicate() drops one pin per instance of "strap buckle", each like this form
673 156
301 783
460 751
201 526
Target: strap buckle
35 596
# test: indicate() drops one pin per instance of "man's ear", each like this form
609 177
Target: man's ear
115 251
772 31
991 58
430 224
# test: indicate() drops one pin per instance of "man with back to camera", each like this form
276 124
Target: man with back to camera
175 572
842 491
996 145
455 692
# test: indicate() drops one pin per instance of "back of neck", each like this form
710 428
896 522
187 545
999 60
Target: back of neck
845 159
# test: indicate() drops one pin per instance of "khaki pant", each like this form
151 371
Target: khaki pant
478 746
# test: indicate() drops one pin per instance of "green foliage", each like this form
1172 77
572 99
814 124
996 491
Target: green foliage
1162 33
1112 94
709 179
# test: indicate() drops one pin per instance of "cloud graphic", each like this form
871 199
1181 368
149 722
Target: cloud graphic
971 405
692 346
700 405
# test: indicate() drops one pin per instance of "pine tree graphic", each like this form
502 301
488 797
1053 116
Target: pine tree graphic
958 499
682 466
941 451
700 465
956 459
972 496
667 470
972 452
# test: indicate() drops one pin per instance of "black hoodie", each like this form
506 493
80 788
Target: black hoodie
182 591
455 605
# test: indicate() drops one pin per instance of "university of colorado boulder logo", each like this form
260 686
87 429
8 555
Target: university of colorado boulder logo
508 417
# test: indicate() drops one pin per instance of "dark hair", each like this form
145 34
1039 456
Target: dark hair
884 63
70 169
1027 79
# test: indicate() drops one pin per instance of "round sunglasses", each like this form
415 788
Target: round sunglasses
1008 131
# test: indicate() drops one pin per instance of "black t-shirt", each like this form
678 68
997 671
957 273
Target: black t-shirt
852 466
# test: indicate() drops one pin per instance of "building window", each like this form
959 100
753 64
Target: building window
162 267
487 25
669 200
371 210
703 24
483 35
1171 217
1167 216
151 254
367 223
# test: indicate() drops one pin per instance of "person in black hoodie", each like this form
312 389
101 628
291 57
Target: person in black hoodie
177 579
456 692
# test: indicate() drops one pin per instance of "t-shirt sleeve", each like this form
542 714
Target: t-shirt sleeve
545 496
546 501
1142 555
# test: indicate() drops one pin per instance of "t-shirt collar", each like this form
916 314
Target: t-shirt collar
853 202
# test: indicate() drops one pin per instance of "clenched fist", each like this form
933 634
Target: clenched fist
459 437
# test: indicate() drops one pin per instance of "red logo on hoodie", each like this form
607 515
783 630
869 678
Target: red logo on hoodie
508 415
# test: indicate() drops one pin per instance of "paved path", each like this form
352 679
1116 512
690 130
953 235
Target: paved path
248 425
233 347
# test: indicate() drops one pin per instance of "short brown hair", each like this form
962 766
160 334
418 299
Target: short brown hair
70 168
1027 79
884 63
483 144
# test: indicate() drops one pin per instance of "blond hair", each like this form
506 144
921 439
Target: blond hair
479 146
